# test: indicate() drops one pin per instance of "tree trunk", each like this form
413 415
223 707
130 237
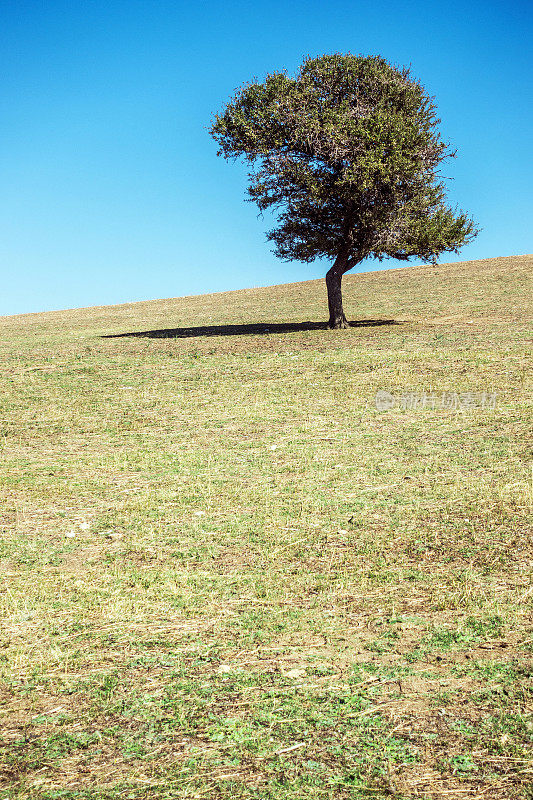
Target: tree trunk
333 284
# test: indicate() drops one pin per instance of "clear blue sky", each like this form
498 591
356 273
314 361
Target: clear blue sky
111 190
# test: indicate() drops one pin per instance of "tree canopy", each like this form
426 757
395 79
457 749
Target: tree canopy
348 153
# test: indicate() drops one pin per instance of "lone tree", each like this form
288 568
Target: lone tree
348 151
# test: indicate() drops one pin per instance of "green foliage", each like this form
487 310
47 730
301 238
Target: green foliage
348 152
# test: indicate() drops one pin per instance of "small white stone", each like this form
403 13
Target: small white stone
295 673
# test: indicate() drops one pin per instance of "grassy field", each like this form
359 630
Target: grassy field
227 574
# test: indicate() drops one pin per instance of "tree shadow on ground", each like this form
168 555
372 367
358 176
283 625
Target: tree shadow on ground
240 330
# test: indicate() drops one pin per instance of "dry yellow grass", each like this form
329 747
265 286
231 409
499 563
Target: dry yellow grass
226 573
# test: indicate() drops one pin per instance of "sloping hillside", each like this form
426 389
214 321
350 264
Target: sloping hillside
497 287
230 571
